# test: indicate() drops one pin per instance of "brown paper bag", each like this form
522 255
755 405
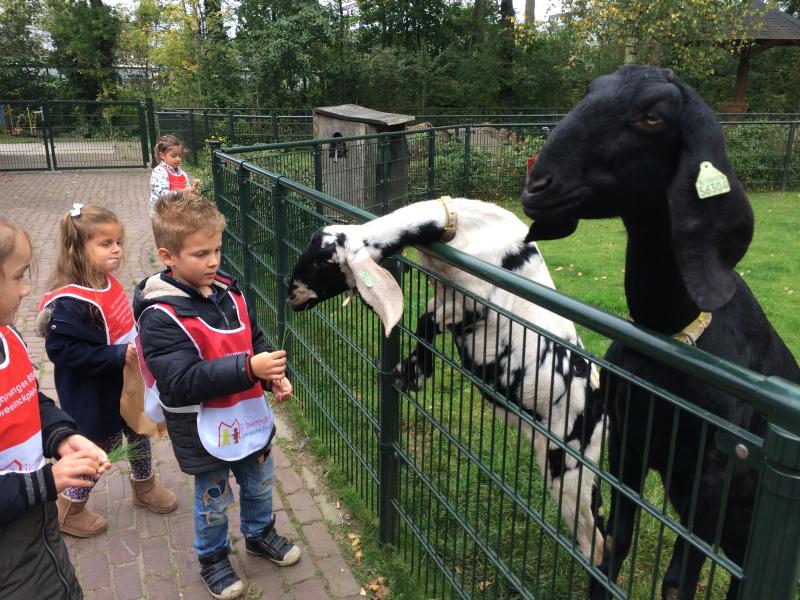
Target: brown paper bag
131 403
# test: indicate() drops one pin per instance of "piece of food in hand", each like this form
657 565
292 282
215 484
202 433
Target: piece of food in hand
196 183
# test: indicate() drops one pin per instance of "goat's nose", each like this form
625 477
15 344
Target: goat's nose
539 184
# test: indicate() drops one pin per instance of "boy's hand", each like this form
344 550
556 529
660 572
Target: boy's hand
269 365
78 469
282 389
130 354
74 444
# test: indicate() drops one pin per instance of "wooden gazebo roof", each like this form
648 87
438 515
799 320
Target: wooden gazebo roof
766 29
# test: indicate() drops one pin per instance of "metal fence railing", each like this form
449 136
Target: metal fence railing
486 150
233 127
382 171
452 479
761 146
73 134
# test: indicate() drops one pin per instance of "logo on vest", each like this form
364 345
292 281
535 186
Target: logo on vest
228 433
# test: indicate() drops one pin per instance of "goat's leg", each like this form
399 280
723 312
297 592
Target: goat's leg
411 372
571 487
621 521
684 587
674 587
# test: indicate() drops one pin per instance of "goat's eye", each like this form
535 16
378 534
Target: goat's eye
652 119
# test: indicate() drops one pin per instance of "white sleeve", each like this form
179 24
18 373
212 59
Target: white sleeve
159 185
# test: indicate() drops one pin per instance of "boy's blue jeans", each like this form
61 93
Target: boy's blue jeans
213 494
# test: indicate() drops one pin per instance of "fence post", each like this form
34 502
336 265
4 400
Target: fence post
206 130
53 163
317 152
467 165
772 563
143 133
389 430
243 179
279 202
151 128
45 135
383 155
431 164
214 145
274 118
192 141
231 129
787 161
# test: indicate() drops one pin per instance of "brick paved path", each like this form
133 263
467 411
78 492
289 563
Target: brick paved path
144 555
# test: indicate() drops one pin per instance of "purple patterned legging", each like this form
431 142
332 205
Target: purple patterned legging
141 461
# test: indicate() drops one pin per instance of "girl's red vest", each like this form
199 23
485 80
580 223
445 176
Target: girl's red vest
20 423
112 303
230 427
176 182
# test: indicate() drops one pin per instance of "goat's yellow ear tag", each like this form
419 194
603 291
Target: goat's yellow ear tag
367 279
711 181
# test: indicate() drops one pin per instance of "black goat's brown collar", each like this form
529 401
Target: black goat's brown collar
449 229
692 332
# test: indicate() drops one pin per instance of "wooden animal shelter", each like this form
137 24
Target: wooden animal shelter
373 173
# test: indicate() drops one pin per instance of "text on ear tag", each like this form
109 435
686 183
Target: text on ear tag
367 279
711 181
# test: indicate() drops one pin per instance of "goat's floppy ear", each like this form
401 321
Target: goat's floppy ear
709 235
377 287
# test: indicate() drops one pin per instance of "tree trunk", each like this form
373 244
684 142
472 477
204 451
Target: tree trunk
631 51
478 23
530 11
654 57
506 57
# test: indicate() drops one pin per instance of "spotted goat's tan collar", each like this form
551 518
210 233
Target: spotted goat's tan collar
449 230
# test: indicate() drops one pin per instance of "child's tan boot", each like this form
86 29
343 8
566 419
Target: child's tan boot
153 496
77 520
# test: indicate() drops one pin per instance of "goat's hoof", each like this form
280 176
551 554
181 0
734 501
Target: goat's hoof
597 550
408 376
671 593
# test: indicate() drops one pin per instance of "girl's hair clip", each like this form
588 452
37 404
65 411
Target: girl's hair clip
75 211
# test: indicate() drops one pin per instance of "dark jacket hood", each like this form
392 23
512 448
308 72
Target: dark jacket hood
163 288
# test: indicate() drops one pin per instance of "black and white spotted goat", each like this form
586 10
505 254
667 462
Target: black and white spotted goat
554 385
643 146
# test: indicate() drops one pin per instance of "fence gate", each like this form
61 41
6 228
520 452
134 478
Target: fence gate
73 134
23 145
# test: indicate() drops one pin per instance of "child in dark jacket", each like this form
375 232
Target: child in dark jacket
34 559
211 366
90 331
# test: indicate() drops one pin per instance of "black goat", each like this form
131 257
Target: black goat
643 146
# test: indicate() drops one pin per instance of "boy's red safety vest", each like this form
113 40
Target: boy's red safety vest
111 302
176 182
230 427
20 423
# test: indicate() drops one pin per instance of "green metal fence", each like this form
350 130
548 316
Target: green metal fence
449 470
244 127
73 134
383 171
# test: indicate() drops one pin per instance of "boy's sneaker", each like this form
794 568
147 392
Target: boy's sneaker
273 546
221 580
